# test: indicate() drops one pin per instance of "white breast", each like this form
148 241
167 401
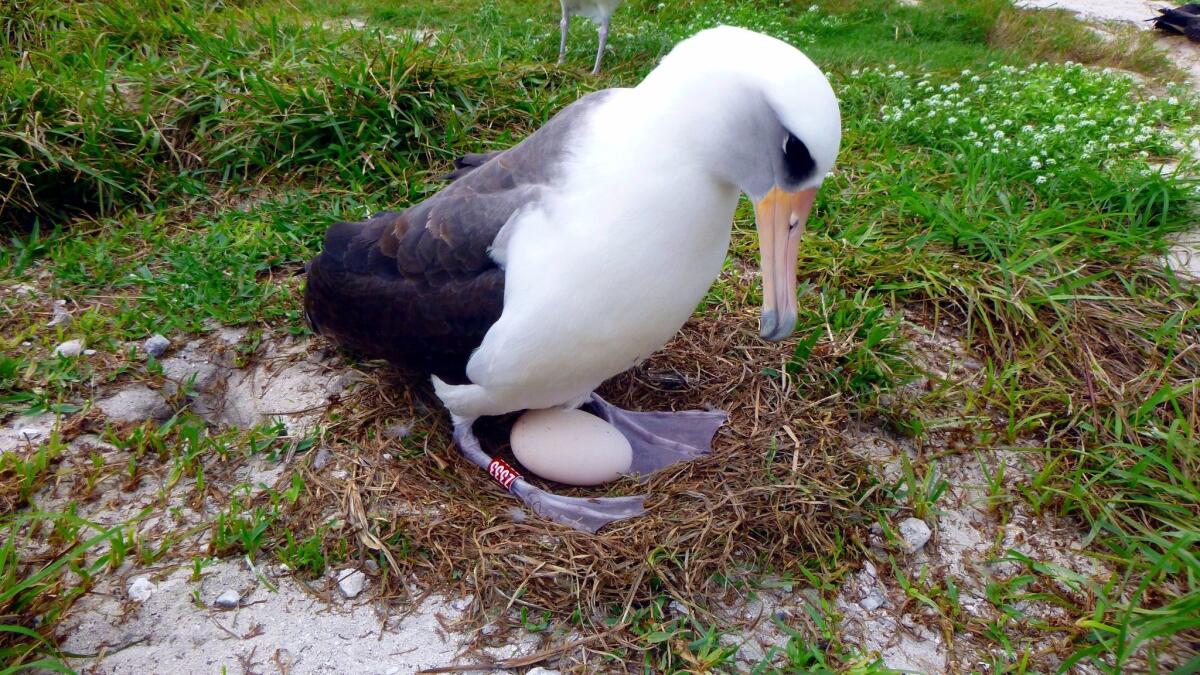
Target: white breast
600 277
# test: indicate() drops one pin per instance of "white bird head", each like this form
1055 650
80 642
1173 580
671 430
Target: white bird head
767 122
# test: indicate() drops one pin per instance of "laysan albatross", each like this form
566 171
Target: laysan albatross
545 269
599 11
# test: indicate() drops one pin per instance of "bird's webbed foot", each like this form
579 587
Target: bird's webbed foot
581 513
660 439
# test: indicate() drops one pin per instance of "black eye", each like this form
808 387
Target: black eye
799 163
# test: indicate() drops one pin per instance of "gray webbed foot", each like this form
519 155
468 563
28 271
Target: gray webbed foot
581 513
660 439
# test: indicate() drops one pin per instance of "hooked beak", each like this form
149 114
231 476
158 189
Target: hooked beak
781 217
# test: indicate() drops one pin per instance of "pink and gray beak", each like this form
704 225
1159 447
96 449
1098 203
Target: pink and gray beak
781 217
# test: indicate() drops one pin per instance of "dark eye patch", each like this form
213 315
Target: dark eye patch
796 158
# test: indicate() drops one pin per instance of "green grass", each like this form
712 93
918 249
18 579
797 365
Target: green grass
165 165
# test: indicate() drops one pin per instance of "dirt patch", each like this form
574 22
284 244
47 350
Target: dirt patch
1100 10
280 624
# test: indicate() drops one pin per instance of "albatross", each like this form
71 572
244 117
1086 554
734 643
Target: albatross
1182 20
543 270
599 11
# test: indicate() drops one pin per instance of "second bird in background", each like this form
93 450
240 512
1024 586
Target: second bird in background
599 11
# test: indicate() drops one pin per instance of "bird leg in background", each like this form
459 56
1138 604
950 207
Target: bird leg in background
562 43
580 513
660 439
603 29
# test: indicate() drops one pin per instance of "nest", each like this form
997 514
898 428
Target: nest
778 490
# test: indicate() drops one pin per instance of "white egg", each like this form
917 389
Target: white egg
570 446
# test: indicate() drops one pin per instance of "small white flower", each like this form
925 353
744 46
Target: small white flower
1040 180
1173 101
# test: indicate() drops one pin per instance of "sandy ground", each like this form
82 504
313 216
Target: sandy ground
1136 11
279 625
167 619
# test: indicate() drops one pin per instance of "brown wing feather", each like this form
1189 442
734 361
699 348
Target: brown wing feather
419 288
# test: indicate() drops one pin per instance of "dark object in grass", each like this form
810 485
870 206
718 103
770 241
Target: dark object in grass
1183 20
544 270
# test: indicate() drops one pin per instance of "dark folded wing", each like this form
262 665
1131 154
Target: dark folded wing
419 287
1180 21
469 162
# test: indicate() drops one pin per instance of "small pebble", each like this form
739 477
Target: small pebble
678 608
89 352
541 671
351 582
873 601
340 474
372 566
26 343
70 348
156 345
141 589
876 538
227 600
915 534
